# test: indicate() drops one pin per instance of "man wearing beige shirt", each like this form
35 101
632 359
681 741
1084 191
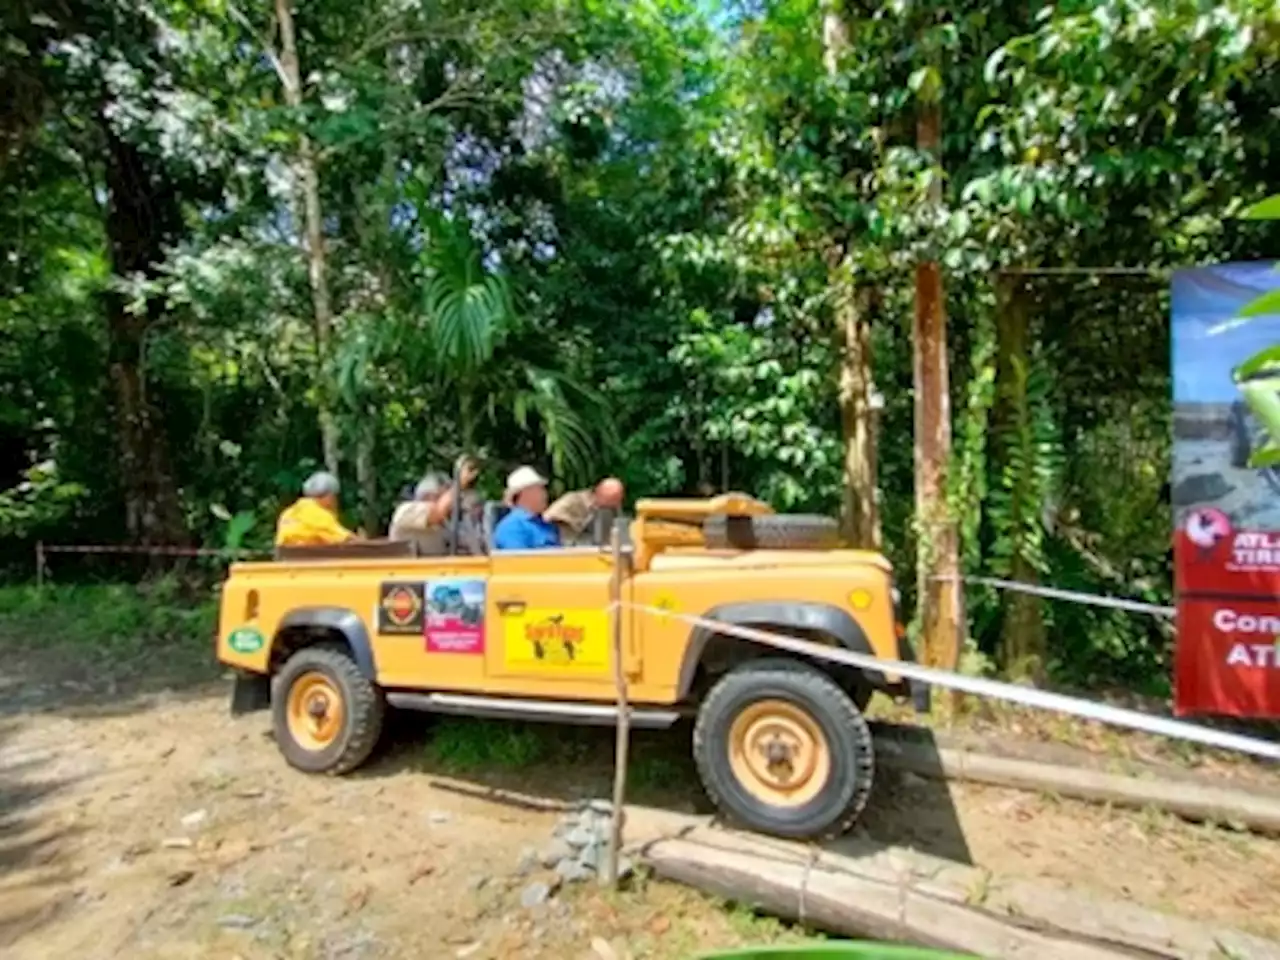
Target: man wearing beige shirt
424 520
575 512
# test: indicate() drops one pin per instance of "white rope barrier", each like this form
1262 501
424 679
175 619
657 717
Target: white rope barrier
980 686
1073 596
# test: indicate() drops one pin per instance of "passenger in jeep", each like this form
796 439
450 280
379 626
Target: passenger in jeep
313 519
524 527
424 520
575 512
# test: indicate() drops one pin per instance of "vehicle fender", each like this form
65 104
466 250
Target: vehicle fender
345 622
820 618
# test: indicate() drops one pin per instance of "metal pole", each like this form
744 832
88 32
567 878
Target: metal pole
455 508
610 878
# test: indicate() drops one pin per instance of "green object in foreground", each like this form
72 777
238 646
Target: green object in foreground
852 950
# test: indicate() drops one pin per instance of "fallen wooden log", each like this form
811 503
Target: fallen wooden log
1242 809
509 798
890 893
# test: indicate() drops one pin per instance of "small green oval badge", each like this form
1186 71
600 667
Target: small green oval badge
245 640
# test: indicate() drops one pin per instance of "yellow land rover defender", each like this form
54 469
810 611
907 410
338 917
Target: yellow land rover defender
329 637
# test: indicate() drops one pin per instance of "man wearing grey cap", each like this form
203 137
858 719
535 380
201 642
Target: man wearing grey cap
424 520
313 520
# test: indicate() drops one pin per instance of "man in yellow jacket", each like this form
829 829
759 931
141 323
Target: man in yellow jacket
313 519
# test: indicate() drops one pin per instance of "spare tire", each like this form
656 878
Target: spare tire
786 531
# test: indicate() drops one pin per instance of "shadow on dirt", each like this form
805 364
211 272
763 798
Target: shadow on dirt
570 764
34 888
66 682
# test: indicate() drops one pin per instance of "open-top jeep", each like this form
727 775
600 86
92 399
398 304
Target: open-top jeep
329 637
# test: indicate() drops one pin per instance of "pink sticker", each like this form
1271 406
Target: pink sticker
455 616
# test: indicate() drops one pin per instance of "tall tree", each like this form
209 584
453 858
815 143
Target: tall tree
852 302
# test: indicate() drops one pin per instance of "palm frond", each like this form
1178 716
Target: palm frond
571 419
469 307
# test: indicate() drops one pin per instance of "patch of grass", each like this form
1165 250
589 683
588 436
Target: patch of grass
572 758
110 623
652 770
466 746
666 921
761 929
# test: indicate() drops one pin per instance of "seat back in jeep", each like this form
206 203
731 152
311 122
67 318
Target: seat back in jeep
494 510
362 550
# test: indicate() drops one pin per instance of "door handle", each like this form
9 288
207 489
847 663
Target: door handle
512 606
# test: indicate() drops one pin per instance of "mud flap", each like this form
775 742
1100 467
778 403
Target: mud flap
250 692
921 696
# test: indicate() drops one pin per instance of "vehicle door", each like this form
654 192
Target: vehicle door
548 617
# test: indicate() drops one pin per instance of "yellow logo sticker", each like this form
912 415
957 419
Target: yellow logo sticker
665 601
574 641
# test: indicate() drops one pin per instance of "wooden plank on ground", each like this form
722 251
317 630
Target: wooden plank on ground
892 893
1198 802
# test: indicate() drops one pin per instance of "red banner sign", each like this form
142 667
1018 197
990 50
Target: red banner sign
1226 492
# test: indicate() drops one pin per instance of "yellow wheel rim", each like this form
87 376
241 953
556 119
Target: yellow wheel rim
315 712
779 753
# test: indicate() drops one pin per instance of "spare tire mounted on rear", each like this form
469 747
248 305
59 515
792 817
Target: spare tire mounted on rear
785 531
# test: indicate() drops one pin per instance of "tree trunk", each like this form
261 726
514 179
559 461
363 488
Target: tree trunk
937 551
317 263
860 516
367 481
835 35
142 216
1023 639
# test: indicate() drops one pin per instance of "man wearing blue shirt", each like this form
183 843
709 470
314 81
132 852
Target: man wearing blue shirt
524 528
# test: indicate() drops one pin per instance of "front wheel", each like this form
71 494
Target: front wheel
327 715
783 750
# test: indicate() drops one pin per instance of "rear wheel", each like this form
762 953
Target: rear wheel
782 749
327 715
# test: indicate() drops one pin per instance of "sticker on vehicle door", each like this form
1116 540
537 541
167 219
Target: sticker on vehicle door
400 604
569 640
455 615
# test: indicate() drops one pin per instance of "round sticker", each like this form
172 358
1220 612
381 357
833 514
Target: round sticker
245 640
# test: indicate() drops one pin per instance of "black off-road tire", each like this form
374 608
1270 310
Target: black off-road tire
786 531
840 800
363 711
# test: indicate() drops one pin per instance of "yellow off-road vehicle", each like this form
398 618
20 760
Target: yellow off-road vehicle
328 638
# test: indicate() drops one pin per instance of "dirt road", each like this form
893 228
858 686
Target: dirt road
152 825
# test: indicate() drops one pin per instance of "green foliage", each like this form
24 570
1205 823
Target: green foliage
1268 209
615 237
465 746
1027 487
39 502
1264 305
155 626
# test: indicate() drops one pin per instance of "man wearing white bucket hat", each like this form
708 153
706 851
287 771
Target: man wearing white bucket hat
524 528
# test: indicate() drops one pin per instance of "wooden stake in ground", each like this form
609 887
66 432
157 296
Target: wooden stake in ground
610 876
937 549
